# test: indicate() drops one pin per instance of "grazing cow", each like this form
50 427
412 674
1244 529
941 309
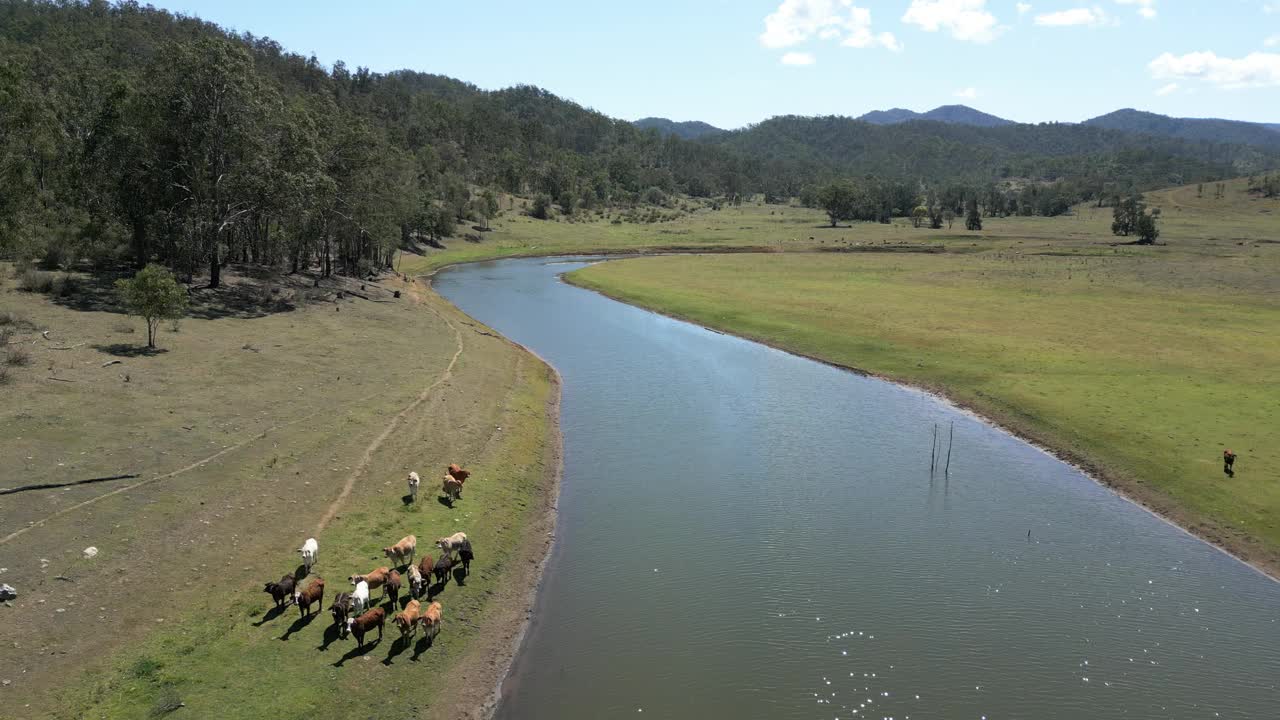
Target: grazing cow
360 597
310 550
392 588
414 482
451 488
375 578
340 608
431 619
406 548
314 593
415 581
359 626
281 591
458 473
465 556
442 569
407 619
453 543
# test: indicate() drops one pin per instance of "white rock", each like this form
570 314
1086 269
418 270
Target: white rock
90 552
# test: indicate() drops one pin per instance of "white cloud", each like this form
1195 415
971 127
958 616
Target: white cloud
1168 89
1273 41
966 93
965 19
1253 70
799 59
1146 8
798 21
1074 16
1024 8
1271 8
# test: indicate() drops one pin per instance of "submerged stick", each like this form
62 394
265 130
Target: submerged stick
933 450
950 441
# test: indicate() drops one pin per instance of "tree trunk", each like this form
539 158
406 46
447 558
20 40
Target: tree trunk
215 268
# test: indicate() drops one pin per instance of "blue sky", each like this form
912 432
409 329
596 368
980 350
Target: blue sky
736 62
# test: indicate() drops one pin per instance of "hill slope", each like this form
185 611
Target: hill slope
688 130
1209 129
950 114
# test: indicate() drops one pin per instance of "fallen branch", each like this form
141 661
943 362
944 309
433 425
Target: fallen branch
63 577
45 333
109 363
58 379
68 347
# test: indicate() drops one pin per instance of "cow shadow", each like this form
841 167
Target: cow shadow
397 649
424 644
357 651
275 612
300 573
445 500
331 635
297 625
460 575
435 589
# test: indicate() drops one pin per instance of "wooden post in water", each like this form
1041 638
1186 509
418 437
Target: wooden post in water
933 451
950 440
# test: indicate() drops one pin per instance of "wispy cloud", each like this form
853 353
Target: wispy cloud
799 59
1257 69
966 93
967 20
1168 89
1273 41
1073 17
1023 8
797 21
1146 8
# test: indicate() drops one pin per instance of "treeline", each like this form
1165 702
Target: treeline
128 134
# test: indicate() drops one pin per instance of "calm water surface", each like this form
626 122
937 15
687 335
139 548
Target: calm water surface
747 534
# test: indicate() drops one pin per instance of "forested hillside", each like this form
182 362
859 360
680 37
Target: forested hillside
688 130
1206 129
129 134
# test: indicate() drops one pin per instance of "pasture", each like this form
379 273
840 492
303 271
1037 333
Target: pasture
268 418
1139 363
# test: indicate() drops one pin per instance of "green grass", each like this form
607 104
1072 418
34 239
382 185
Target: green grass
1143 363
172 608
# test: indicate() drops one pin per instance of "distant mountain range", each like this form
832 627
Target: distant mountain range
950 114
1207 129
691 130
1127 120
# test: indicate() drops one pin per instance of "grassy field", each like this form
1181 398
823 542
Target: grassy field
1140 363
268 418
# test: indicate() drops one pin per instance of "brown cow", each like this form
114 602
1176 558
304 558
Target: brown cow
452 488
281 591
407 619
425 567
432 617
406 548
392 588
458 473
375 617
314 593
375 578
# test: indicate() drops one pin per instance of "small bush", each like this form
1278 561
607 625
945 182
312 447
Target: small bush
17 357
124 328
5 378
48 283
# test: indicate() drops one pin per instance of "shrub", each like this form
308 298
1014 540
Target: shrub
49 283
541 207
5 377
153 295
17 357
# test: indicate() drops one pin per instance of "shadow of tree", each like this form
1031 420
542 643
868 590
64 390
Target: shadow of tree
129 350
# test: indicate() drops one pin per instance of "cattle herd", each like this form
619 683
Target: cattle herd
353 613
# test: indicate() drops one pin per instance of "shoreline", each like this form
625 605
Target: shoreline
1242 549
484 670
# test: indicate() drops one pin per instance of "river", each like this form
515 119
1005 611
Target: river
748 534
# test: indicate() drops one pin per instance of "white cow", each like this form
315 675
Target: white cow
360 598
310 549
414 482
453 543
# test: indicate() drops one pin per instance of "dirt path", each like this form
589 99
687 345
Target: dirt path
367 457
